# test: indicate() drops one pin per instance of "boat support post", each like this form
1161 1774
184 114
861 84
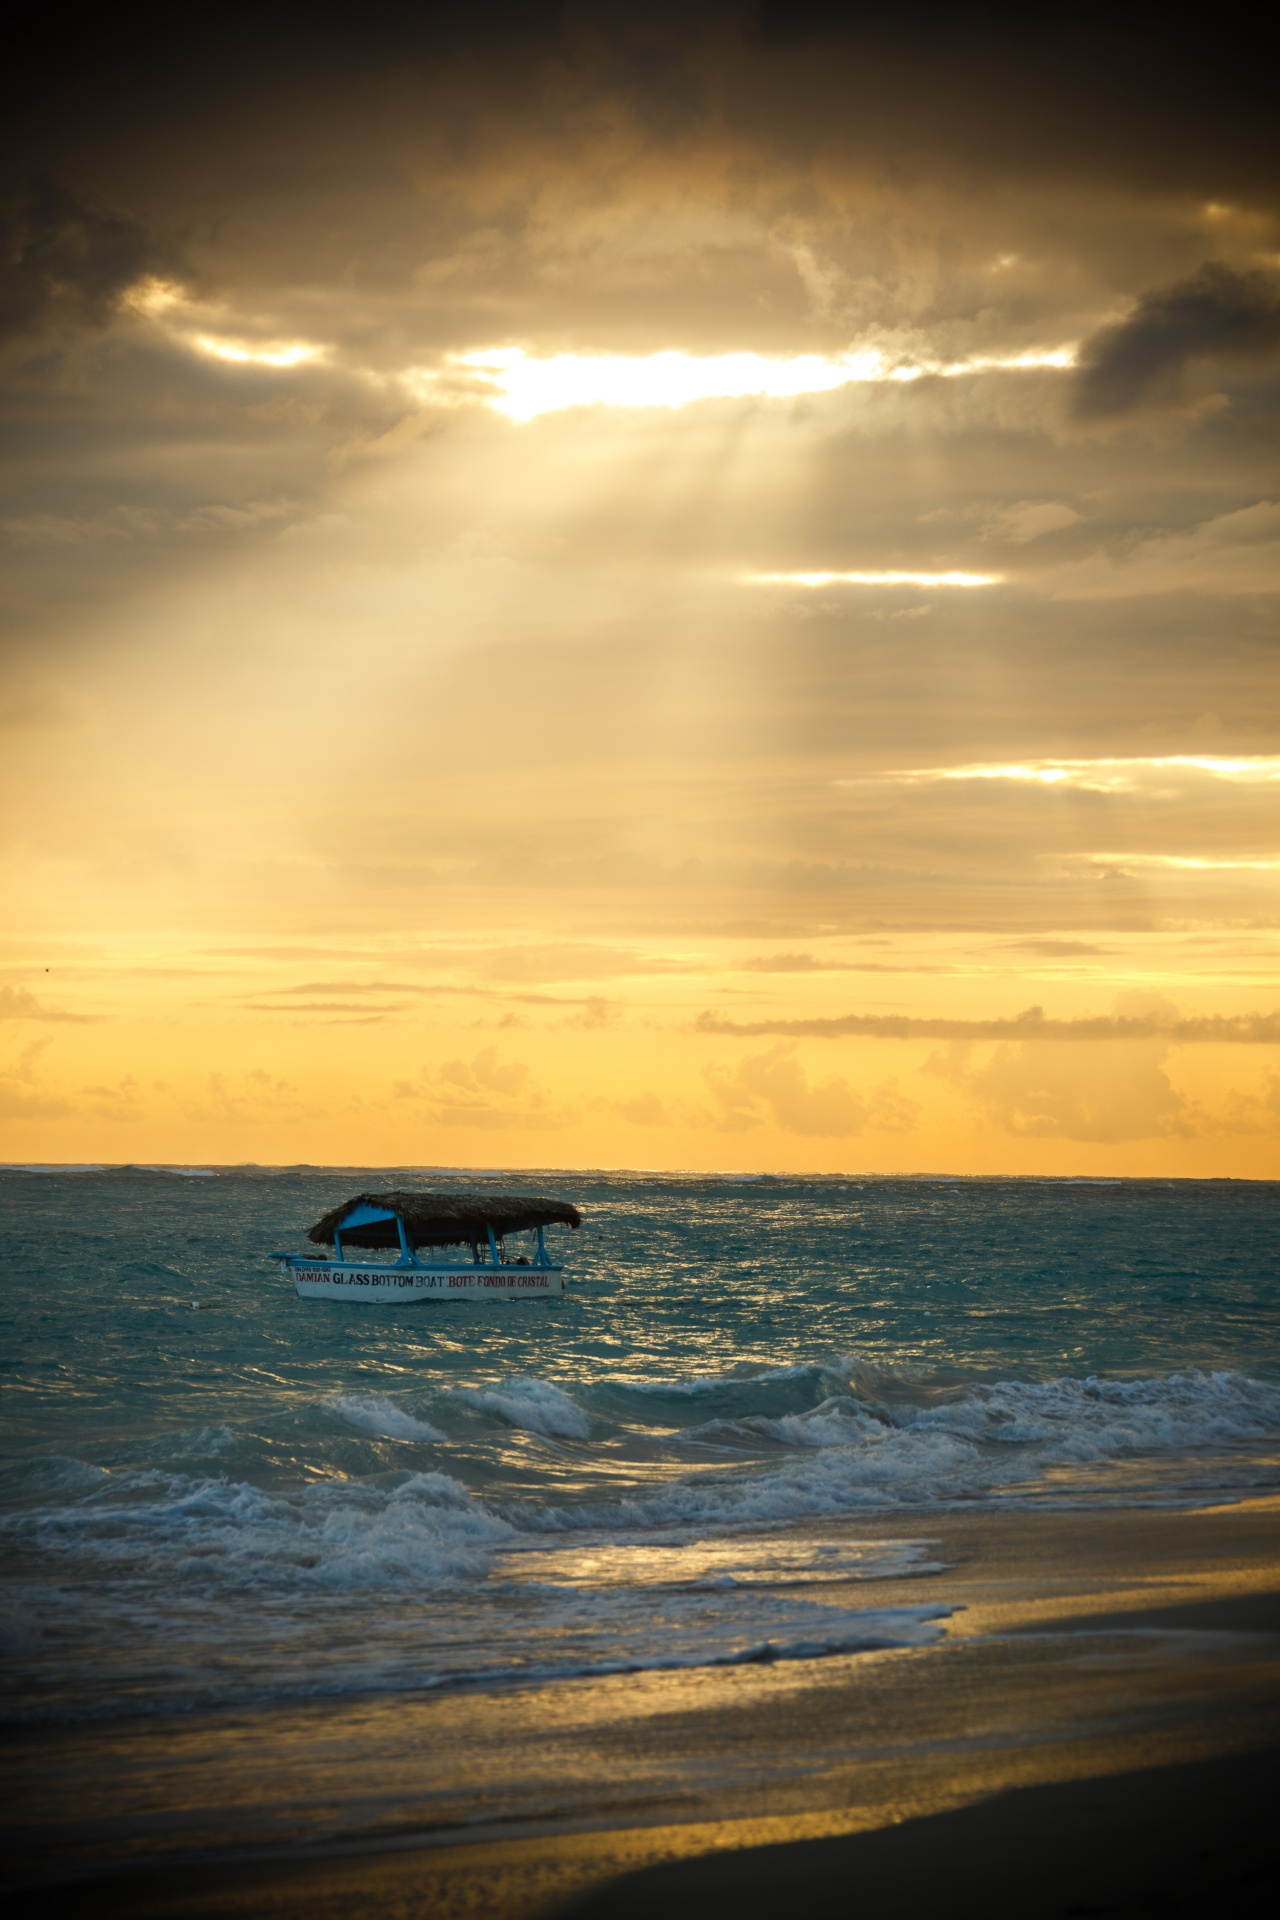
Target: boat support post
406 1251
541 1260
493 1245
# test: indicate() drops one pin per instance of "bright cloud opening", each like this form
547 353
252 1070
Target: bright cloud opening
523 386
1109 775
1193 862
153 296
294 353
178 315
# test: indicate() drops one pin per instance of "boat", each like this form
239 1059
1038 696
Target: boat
406 1224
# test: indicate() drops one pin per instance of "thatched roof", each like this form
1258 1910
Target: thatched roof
442 1219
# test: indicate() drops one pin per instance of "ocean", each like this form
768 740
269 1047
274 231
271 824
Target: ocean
219 1496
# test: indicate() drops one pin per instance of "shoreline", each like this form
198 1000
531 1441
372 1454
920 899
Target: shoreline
1086 1644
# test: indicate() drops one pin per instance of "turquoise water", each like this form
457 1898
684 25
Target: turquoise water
217 1493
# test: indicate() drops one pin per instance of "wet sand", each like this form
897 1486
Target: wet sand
1195 1838
1137 1648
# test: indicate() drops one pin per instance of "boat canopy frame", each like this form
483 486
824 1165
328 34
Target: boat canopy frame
408 1221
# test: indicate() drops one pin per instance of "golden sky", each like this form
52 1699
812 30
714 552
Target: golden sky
693 587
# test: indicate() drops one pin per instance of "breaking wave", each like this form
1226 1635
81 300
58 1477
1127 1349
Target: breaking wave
535 1405
374 1414
333 1534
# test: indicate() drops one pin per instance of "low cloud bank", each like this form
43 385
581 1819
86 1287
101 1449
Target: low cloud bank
1248 1029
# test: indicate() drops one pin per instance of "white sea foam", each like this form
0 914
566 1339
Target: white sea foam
706 1383
846 1454
333 1534
535 1405
200 1442
1007 1439
372 1414
703 1629
1093 1418
835 1423
172 1589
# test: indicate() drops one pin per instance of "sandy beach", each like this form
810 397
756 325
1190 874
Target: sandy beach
640 990
1138 1647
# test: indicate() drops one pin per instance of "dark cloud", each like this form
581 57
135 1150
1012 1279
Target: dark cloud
996 80
401 121
17 1003
1058 949
63 258
1260 1030
1216 314
786 963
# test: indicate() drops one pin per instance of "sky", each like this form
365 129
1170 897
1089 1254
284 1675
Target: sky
688 587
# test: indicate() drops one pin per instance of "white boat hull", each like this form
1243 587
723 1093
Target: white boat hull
344 1280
